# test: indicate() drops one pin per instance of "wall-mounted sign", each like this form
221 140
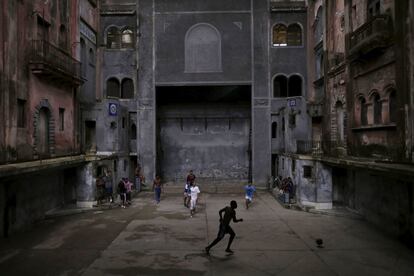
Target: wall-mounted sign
113 109
292 102
87 32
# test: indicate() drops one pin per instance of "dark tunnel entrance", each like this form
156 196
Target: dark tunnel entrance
205 129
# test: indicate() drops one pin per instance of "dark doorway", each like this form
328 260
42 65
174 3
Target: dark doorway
339 186
90 140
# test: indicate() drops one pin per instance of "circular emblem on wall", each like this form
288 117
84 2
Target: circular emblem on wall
113 109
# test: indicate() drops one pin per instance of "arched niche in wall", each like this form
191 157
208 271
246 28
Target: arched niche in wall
340 120
44 132
127 89
295 86
112 88
280 87
202 49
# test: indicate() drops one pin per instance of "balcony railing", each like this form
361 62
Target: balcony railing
329 148
374 34
49 60
393 153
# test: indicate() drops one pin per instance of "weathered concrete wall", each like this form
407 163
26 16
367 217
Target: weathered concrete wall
30 196
234 36
392 206
212 140
313 191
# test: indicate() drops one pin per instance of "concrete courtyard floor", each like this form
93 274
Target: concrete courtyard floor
151 239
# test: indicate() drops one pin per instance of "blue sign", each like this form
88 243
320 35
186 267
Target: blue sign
292 102
113 109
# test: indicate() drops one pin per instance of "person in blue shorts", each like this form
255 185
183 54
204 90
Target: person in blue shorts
250 189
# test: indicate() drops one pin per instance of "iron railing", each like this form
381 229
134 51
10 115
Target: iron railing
46 53
377 25
339 148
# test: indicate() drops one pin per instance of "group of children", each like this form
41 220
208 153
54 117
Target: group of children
104 188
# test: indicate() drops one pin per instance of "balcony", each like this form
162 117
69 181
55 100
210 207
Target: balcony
319 148
315 109
371 38
51 62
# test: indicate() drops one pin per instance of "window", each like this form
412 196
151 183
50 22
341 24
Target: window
112 88
123 122
283 124
340 121
83 57
284 87
113 38
274 130
115 166
91 57
125 165
127 89
307 171
294 35
363 111
374 8
127 38
280 87
293 165
61 119
63 37
292 120
393 107
21 113
295 86
279 35
133 132
377 109
319 26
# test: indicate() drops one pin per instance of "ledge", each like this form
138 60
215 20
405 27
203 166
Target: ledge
38 165
374 127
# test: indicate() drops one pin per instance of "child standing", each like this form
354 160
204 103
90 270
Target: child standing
194 197
249 189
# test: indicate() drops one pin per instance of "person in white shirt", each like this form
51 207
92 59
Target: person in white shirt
194 196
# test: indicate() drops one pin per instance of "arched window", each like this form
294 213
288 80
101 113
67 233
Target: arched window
279 35
363 111
377 109
83 57
294 35
113 40
43 131
127 39
133 132
374 8
339 108
319 26
91 57
112 88
202 49
127 89
63 37
393 107
280 87
274 130
295 86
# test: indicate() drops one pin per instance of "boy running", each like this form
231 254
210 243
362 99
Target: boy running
224 228
250 189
